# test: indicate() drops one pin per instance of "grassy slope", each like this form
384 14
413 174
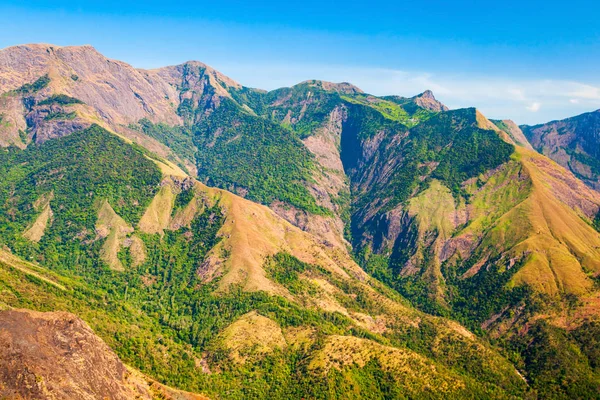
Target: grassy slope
501 248
185 298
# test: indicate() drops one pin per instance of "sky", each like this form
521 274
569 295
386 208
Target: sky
531 61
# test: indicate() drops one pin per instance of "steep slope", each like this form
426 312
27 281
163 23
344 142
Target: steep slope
208 275
30 344
573 143
293 165
514 132
467 225
454 211
51 91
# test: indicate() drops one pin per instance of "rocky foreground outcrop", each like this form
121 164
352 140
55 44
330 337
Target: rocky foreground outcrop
56 355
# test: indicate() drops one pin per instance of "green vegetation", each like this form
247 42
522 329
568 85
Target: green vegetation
60 115
592 162
163 317
177 138
31 88
560 365
183 198
60 99
79 171
407 114
302 108
253 156
159 315
448 147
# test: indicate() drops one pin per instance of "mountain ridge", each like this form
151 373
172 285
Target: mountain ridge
328 218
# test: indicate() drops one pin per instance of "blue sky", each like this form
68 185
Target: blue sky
530 61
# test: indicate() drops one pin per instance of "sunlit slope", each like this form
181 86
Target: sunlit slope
186 282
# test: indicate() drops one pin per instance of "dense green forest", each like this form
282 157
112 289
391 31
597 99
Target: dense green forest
255 157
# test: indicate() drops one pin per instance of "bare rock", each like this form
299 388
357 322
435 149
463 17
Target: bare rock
55 355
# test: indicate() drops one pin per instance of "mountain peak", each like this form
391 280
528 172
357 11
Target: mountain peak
341 87
428 101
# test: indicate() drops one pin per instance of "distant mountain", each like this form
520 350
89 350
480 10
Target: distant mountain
574 143
310 241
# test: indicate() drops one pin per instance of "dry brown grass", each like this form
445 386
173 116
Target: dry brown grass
252 335
253 232
28 268
158 214
185 216
138 251
407 366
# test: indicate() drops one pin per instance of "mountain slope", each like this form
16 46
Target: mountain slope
32 341
573 143
452 210
198 266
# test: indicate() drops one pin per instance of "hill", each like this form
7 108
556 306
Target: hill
89 369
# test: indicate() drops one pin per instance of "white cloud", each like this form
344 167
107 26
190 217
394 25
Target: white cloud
534 107
574 101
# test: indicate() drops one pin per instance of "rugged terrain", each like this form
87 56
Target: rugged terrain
55 355
573 143
313 241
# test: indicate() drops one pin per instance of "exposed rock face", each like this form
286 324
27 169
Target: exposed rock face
514 132
56 355
198 86
119 93
341 88
428 101
574 143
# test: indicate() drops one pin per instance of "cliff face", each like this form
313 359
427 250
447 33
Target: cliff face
573 143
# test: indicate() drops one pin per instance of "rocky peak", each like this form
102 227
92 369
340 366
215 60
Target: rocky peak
428 101
341 88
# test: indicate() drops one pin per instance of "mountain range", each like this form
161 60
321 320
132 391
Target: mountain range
314 241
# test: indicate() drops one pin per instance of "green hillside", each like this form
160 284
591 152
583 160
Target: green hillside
329 333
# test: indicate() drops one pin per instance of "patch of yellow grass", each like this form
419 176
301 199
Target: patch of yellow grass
185 216
138 251
168 168
536 212
114 229
37 229
408 367
434 209
158 214
252 335
436 213
253 232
